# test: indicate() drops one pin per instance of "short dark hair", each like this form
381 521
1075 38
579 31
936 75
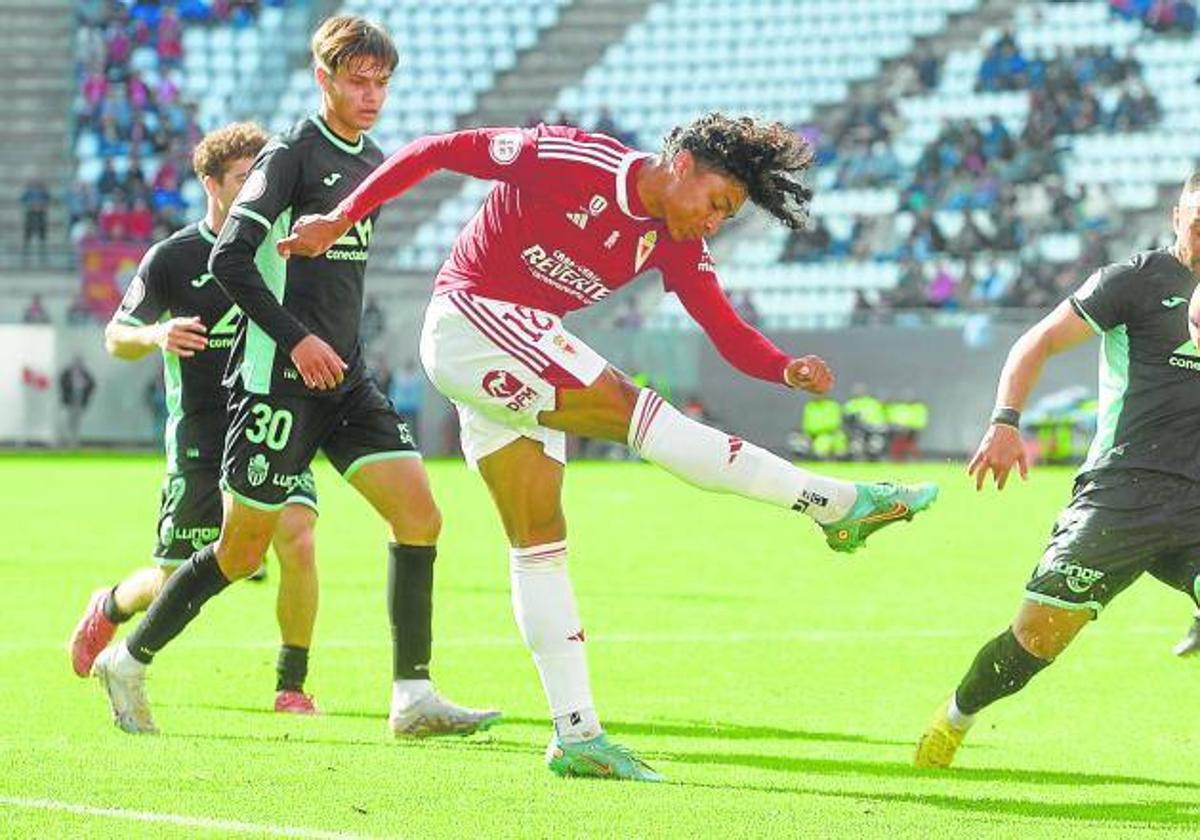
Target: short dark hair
343 38
222 147
769 158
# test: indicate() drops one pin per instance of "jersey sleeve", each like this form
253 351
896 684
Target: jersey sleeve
1105 299
145 300
268 191
549 156
691 275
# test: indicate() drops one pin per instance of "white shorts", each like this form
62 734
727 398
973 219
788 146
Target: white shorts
501 364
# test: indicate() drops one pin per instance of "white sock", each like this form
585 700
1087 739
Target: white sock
123 661
407 693
959 718
713 460
544 607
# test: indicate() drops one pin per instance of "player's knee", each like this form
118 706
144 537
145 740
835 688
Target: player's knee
296 548
419 525
1047 632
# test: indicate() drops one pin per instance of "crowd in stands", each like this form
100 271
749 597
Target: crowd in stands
1159 15
1007 186
130 113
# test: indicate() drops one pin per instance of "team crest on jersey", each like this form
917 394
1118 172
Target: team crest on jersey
563 343
505 147
597 205
253 189
612 239
257 469
644 247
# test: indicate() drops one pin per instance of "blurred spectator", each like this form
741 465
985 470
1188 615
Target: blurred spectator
806 244
743 303
35 200
35 312
75 388
607 124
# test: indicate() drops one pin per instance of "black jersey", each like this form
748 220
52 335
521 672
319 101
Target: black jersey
1149 368
173 281
306 170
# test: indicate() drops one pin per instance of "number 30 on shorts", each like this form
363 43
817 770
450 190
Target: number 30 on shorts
270 426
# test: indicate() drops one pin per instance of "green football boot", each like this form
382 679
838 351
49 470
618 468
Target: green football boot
877 506
599 758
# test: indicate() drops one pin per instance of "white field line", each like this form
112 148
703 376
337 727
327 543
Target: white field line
513 640
235 826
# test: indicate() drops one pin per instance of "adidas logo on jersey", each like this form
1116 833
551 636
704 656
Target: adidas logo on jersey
580 220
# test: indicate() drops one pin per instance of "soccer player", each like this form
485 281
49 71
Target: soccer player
173 305
1137 492
573 217
299 384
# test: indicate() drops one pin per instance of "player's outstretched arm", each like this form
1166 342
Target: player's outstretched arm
182 336
313 235
1002 448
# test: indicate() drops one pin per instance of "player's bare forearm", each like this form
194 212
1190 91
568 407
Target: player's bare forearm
1059 331
1194 317
129 342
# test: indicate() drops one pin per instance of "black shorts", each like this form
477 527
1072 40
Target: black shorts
272 439
1119 524
189 513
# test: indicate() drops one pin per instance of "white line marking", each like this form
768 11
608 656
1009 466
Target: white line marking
175 819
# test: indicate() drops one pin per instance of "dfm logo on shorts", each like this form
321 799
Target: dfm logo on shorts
1079 578
505 386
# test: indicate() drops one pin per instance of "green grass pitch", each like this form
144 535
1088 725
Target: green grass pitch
778 686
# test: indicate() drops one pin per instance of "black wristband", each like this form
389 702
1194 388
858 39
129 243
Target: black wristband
1005 416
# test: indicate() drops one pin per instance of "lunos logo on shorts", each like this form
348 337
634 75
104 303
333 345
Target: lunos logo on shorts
1079 579
198 535
505 386
257 469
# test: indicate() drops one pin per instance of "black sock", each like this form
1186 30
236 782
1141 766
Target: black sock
410 606
291 668
180 601
110 609
1002 667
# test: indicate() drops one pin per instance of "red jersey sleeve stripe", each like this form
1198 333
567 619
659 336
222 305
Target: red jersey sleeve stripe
563 145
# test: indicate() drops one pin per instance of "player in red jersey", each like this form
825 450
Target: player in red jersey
574 217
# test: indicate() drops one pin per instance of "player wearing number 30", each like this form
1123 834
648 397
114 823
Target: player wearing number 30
173 304
298 384
574 217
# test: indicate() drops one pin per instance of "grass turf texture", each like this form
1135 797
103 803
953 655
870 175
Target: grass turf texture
778 686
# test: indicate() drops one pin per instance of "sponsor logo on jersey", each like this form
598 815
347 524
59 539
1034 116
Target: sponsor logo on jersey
563 343
735 448
503 385
505 147
597 205
356 243
1185 356
645 245
257 469
706 262
1172 302
199 282
1079 579
253 189
612 239
331 179
580 219
564 274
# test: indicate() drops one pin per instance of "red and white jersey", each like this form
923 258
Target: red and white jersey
564 228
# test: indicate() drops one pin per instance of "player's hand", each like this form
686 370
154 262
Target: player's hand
312 236
999 450
809 373
182 336
318 364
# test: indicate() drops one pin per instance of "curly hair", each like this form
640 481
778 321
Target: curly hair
769 158
222 147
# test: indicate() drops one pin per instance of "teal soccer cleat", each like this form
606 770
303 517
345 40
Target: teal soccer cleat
598 758
877 506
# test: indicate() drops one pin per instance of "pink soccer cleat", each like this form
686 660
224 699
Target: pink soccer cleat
295 703
92 635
